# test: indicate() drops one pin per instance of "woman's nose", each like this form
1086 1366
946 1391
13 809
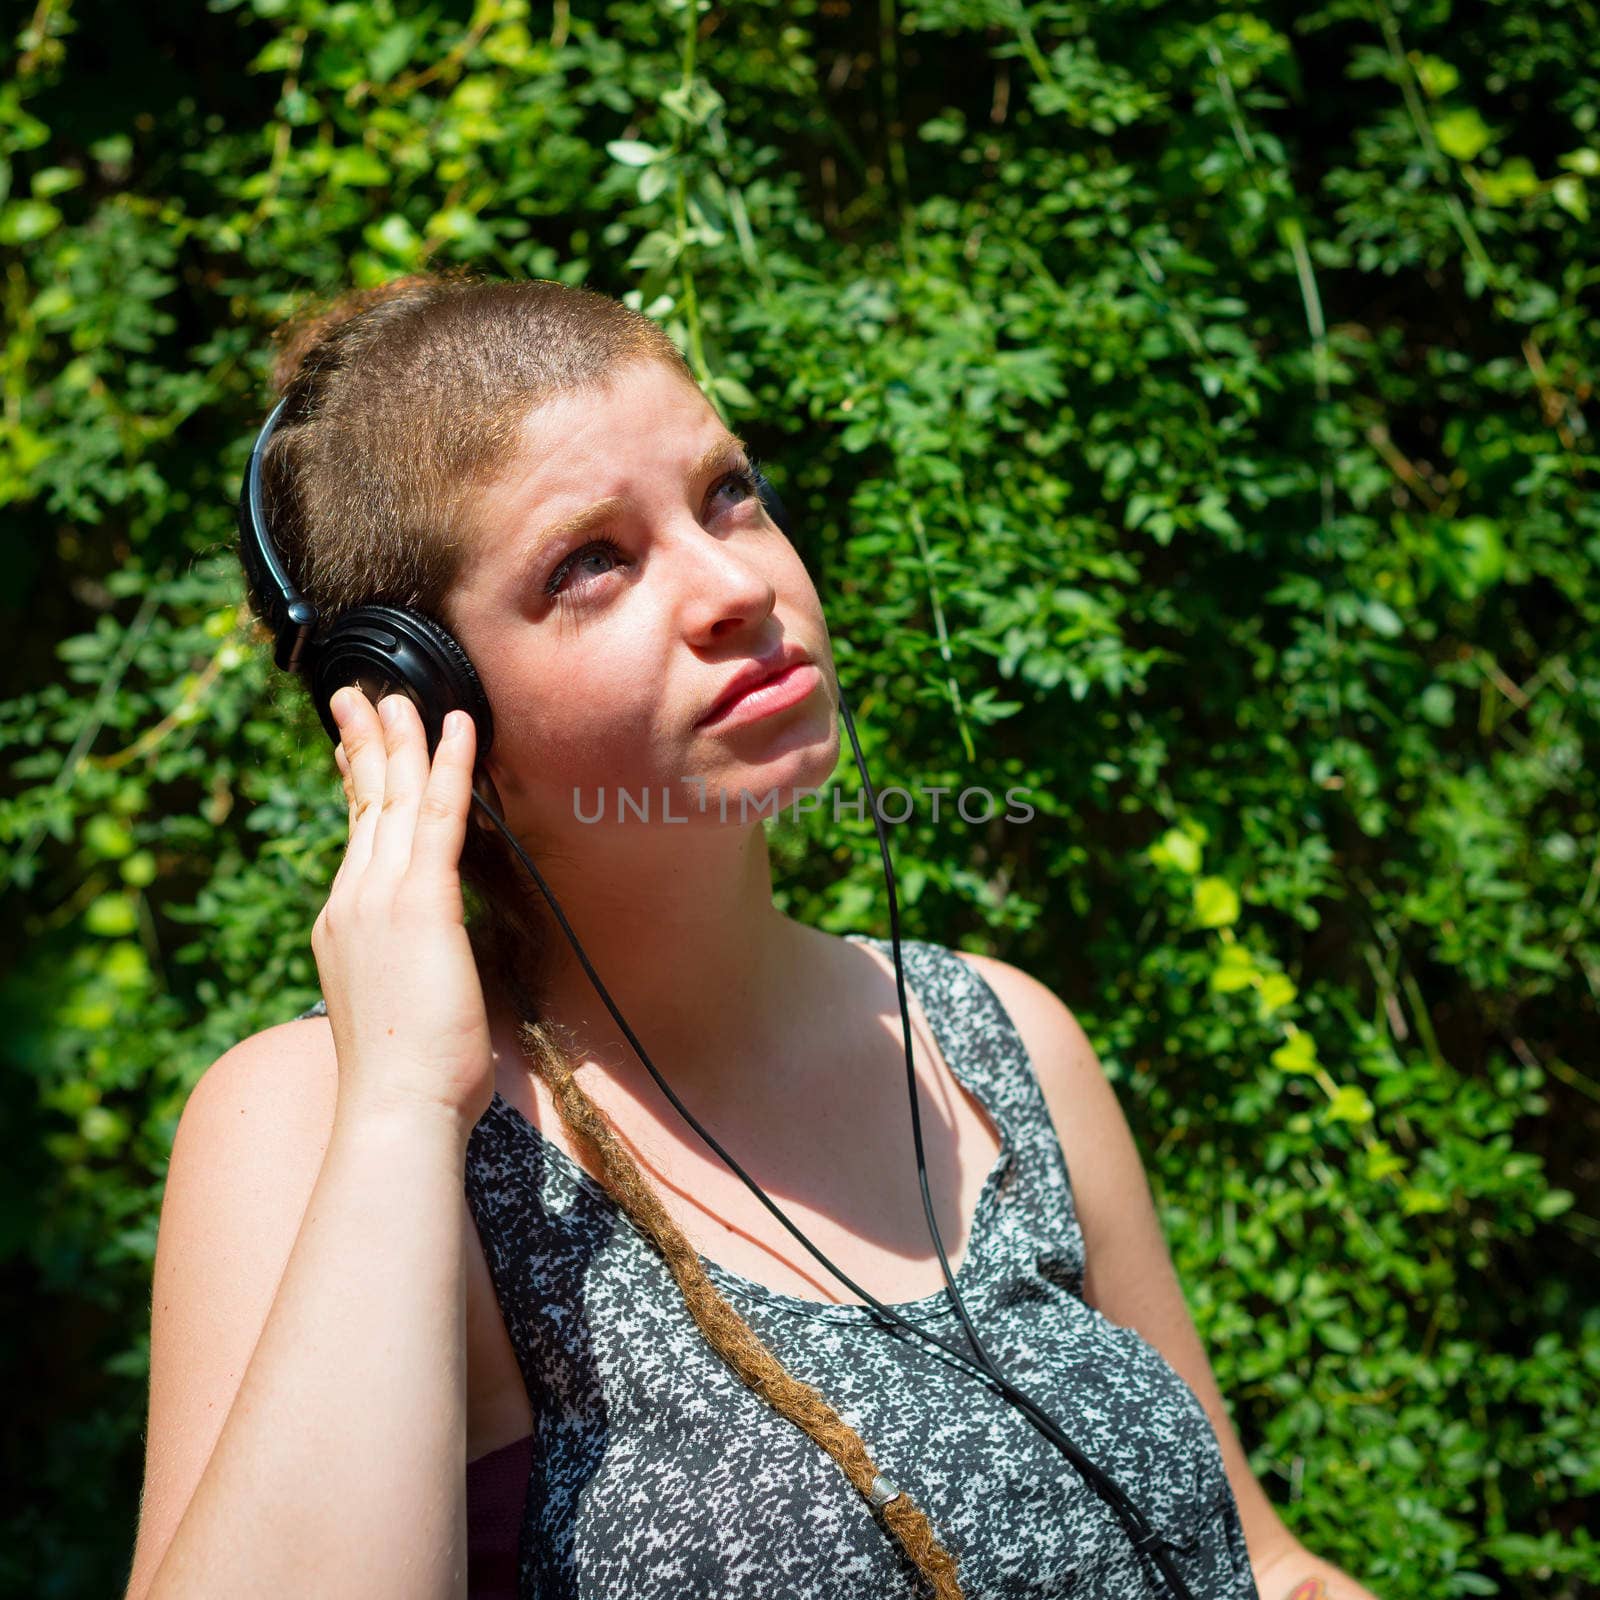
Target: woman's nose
725 586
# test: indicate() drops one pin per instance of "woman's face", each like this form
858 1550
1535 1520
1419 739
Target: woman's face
603 646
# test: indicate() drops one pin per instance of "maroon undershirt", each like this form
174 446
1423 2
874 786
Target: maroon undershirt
496 1487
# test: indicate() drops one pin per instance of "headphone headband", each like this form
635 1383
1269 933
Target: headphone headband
293 617
379 648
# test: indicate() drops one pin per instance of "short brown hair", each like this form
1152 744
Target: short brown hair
405 398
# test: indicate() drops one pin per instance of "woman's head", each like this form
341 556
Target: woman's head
438 431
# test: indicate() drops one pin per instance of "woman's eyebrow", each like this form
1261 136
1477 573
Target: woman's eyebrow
729 451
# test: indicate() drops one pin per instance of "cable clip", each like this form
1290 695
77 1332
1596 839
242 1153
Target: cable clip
1150 1541
883 1491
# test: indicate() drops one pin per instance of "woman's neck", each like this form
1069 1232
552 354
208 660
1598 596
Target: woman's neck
681 929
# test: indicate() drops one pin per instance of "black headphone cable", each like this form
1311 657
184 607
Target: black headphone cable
1144 1538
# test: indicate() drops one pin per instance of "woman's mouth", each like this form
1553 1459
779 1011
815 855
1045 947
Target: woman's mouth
767 698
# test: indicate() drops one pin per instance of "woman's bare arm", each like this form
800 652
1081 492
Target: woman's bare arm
308 1373
339 1469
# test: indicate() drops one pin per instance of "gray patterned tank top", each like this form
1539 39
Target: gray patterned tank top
657 1475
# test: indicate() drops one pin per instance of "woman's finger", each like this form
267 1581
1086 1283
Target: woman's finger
406 745
362 737
441 826
340 761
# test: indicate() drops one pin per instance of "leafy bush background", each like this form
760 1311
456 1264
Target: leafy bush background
1192 415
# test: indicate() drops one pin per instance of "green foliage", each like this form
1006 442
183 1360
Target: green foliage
1192 417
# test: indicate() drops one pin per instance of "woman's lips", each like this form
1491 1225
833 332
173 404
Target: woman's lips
771 695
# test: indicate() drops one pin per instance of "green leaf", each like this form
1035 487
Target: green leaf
1572 195
1216 903
949 127
657 249
1438 704
1478 555
139 869
633 153
1381 1161
54 180
1235 969
1462 134
395 237
26 221
733 391
1177 848
1508 183
1382 619
112 916
1277 991
125 966
1348 1104
1437 77
653 181
1297 1053
390 50
1341 1337
107 836
1213 513
356 166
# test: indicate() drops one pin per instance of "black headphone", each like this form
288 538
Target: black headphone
393 648
378 648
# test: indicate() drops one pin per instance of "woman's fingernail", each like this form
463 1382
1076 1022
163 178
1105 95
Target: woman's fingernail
339 705
387 708
455 724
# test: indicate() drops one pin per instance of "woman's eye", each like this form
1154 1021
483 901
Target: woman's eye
744 478
607 550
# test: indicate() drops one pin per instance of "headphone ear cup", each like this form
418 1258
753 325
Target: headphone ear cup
391 649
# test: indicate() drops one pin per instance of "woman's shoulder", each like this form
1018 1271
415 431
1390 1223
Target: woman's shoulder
296 1052
1036 1010
278 1086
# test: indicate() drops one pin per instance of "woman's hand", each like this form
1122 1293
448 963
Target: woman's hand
397 970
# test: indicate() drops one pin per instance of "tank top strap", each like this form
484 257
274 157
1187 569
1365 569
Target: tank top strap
984 1049
972 1028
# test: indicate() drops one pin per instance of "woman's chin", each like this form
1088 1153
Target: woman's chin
797 764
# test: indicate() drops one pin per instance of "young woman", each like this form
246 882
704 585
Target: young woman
447 1298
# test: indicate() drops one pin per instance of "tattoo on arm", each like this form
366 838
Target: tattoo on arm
1310 1589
